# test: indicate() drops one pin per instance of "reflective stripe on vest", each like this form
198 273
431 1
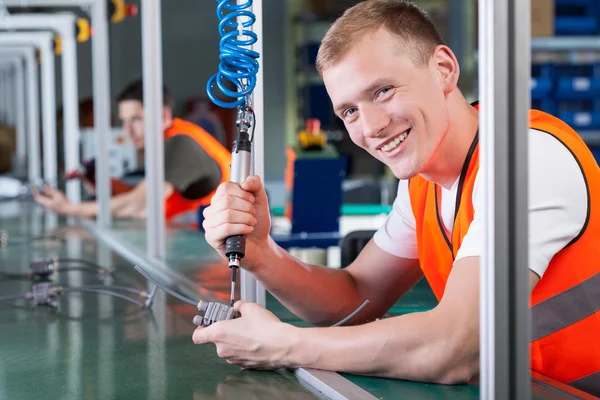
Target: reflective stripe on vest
565 303
176 204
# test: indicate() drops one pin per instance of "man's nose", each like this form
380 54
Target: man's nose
374 120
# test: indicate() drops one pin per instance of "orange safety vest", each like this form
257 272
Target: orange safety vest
565 343
176 204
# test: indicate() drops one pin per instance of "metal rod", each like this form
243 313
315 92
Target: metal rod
21 125
34 167
2 101
101 77
504 46
250 288
49 111
10 94
153 122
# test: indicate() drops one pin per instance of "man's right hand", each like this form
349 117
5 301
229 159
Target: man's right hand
239 210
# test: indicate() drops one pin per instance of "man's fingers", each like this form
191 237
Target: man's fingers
43 200
218 233
230 217
202 335
229 203
245 307
226 189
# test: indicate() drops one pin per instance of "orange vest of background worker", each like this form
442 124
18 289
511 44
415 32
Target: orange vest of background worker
565 303
176 204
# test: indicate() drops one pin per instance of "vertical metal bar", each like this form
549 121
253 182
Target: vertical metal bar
250 288
2 96
101 85
504 55
33 109
21 127
10 94
48 110
153 122
71 113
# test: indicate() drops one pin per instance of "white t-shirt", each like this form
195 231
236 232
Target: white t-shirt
557 208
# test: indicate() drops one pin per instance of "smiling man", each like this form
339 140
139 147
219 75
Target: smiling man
393 83
195 164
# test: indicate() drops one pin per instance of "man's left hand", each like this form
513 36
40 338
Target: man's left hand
257 339
53 200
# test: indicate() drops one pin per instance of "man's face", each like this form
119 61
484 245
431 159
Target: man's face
391 107
131 114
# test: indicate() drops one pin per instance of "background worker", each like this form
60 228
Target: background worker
195 164
393 83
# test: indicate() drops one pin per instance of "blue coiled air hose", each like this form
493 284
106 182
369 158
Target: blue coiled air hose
238 64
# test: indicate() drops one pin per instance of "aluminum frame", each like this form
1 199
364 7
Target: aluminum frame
153 126
504 75
16 63
32 97
101 91
42 41
251 289
64 25
7 88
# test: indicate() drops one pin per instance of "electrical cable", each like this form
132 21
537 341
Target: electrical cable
116 287
8 275
99 291
354 314
90 264
238 65
166 289
16 297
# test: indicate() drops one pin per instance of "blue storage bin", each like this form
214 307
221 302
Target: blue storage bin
586 105
577 88
581 120
540 87
562 70
543 70
570 3
575 25
547 105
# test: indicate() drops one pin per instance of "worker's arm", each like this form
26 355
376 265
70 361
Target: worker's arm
324 296
126 205
440 345
316 294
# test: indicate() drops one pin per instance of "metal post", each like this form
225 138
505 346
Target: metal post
153 122
42 40
49 112
2 97
20 124
504 54
101 76
33 108
250 288
10 94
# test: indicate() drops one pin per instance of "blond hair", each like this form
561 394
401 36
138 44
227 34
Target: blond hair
414 28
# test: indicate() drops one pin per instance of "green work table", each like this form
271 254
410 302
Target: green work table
93 346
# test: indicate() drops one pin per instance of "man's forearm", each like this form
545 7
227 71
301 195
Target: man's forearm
89 209
418 346
317 294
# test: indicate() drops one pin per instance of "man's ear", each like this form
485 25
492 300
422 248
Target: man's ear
446 66
167 117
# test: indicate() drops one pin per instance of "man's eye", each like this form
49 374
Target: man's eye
349 112
383 91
